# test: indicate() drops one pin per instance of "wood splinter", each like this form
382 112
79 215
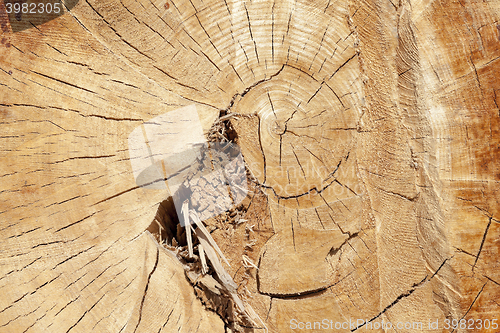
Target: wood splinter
209 247
187 225
204 266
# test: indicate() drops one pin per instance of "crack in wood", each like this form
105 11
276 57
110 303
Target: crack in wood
405 295
311 190
482 243
472 304
85 313
146 288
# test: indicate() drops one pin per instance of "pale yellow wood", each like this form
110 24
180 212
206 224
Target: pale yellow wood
370 133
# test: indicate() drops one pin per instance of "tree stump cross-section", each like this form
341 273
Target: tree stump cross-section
369 132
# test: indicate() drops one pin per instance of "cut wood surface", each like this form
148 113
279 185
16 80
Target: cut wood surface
370 135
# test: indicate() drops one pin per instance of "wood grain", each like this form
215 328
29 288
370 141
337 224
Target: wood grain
370 133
